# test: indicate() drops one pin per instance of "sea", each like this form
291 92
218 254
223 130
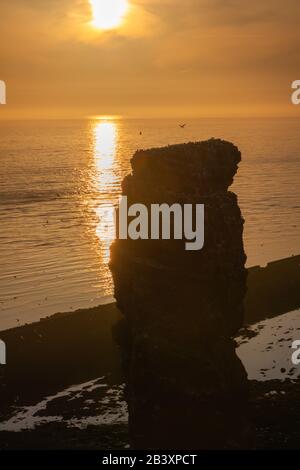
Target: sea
61 179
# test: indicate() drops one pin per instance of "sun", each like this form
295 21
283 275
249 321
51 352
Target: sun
108 14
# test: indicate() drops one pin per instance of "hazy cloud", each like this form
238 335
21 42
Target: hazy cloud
194 56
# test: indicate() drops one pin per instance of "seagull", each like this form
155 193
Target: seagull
182 126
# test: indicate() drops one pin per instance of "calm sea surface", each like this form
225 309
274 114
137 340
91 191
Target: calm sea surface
60 180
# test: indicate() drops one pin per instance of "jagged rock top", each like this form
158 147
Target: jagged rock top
210 165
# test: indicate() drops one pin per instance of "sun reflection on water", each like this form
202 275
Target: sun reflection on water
108 181
105 134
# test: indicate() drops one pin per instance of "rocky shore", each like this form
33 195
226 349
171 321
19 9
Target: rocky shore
93 415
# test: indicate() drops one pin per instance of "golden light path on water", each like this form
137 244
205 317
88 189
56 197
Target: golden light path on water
107 165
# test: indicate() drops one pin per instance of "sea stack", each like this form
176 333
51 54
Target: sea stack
185 386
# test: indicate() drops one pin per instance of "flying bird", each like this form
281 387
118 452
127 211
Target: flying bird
182 126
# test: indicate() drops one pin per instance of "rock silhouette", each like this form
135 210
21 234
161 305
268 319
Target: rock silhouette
186 388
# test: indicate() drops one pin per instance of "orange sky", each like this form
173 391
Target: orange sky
169 58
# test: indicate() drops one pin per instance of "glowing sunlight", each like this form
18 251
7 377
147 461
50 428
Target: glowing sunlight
108 14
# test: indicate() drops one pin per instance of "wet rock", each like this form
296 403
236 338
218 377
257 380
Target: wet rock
186 387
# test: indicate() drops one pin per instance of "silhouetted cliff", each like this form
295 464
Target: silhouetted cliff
186 388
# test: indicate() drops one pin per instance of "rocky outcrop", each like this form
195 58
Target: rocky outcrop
186 388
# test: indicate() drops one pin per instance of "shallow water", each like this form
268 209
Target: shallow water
268 355
60 180
91 403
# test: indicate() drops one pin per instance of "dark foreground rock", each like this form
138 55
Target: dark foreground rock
186 388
